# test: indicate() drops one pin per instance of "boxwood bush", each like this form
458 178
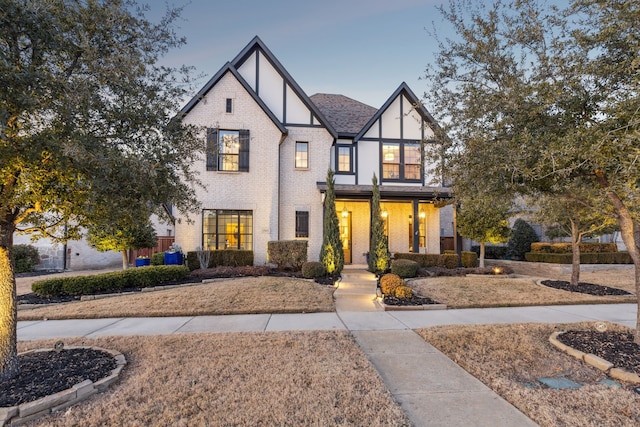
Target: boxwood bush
225 257
404 268
586 258
114 281
431 260
26 257
469 259
313 270
157 258
287 254
389 282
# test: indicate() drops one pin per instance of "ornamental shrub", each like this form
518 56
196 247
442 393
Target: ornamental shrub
522 236
449 261
157 258
26 257
223 257
287 254
389 283
403 292
469 259
313 270
404 268
114 281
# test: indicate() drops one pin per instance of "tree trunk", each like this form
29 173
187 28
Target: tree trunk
481 255
125 259
575 249
8 304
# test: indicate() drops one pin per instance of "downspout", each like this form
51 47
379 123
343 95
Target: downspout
282 138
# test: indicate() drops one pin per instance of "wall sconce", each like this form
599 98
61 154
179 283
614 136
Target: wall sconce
423 214
384 214
345 212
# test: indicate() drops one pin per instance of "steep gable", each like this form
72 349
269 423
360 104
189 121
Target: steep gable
346 115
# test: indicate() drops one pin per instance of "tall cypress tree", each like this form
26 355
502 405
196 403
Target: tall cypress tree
378 245
331 254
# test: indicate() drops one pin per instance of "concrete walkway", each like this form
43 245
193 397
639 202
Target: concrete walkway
429 386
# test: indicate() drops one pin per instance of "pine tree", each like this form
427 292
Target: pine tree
378 246
331 254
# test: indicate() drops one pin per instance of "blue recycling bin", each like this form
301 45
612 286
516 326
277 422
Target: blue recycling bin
172 258
141 262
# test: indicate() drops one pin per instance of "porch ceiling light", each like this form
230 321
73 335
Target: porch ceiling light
384 214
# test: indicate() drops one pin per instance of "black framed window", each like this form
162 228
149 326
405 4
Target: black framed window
227 229
229 105
344 158
228 150
401 161
302 224
302 155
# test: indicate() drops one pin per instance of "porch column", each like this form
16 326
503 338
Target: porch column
416 226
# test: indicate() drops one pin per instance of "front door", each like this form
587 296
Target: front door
345 235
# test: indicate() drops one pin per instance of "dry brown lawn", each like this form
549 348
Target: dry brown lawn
506 357
228 296
496 291
292 378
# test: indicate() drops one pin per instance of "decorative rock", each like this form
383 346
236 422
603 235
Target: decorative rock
560 383
610 383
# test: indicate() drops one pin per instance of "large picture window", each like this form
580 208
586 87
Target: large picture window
227 229
228 150
401 161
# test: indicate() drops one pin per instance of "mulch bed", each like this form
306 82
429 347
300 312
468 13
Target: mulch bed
615 347
415 300
48 372
585 288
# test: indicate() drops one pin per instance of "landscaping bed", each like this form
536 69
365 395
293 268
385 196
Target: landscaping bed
584 288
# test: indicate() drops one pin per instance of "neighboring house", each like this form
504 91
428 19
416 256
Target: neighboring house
269 147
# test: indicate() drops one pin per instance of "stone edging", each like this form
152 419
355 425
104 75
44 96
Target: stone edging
595 361
386 307
30 411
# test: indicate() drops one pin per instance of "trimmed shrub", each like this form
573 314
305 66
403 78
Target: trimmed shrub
449 261
26 257
114 281
389 283
287 254
157 258
522 236
419 258
224 257
403 292
491 251
431 260
313 270
469 259
404 268
587 258
565 248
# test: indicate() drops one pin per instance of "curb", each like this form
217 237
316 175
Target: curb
30 411
595 361
386 307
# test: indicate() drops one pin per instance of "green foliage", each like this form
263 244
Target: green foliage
226 257
157 258
469 259
389 283
26 257
114 281
313 270
522 236
119 237
379 256
449 261
585 258
566 248
404 268
331 253
287 254
491 252
403 292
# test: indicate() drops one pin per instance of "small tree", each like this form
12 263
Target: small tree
378 245
522 236
331 254
118 237
484 219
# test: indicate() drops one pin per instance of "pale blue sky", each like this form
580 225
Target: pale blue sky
362 49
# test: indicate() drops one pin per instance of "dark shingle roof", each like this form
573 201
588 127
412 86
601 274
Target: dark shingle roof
346 115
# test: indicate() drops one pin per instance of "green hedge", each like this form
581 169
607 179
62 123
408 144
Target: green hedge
313 270
157 258
225 257
404 268
565 248
491 251
26 257
469 259
287 254
114 281
588 258
449 261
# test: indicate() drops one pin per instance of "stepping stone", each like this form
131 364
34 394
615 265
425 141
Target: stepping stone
560 383
610 383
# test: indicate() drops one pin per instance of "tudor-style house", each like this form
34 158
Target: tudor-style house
269 147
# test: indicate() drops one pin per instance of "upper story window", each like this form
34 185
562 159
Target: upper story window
302 155
228 150
344 158
401 161
302 224
229 105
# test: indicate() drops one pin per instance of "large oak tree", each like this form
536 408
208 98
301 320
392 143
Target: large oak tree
87 127
554 94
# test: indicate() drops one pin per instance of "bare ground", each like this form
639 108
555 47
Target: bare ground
262 294
290 378
510 358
